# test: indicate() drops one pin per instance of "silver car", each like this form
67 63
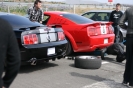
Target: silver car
103 15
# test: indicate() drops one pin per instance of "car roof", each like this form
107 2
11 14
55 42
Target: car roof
102 11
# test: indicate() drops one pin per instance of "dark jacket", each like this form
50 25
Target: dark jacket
35 15
127 17
115 16
9 53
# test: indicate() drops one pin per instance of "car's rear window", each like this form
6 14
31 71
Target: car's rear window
77 18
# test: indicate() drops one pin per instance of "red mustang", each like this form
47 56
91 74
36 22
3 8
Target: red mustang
83 34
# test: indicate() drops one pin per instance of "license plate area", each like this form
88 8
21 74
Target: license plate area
51 51
105 41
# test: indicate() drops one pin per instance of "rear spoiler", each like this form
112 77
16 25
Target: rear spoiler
97 23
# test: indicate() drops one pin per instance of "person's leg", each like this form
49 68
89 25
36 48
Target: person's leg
117 34
114 33
131 67
128 59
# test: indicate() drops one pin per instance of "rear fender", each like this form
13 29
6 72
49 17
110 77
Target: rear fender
71 39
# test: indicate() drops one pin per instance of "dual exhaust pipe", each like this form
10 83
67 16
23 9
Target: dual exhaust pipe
33 61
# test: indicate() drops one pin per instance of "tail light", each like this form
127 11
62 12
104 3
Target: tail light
30 39
92 31
61 36
110 30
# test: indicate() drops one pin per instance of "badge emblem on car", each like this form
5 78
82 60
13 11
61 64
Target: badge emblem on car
48 38
47 29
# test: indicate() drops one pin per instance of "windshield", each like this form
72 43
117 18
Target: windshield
77 18
19 21
89 15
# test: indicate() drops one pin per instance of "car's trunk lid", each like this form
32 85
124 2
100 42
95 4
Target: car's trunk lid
98 28
40 34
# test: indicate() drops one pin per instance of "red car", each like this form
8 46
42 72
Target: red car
83 34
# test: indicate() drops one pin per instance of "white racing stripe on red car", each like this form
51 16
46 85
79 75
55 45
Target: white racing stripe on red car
103 29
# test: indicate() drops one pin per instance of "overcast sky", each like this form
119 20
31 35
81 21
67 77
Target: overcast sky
105 1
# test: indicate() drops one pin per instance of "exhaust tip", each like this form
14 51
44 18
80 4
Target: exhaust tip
33 61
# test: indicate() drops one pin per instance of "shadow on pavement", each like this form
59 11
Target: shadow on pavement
72 65
96 78
112 60
109 59
30 68
101 82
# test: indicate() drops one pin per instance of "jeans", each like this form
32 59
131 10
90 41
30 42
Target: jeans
116 32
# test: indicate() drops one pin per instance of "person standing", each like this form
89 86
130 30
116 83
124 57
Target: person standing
35 13
9 54
114 17
128 74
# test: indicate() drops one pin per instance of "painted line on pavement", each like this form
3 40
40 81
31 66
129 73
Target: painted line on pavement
105 62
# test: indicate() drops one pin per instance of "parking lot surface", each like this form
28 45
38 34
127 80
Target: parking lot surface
63 74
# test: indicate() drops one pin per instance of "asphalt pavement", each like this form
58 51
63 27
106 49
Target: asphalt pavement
63 74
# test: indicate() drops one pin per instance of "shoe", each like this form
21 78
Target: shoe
124 83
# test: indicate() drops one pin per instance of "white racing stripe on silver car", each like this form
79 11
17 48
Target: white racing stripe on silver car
52 30
46 29
42 31
44 37
52 37
47 35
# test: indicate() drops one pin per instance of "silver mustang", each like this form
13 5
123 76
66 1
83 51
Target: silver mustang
103 15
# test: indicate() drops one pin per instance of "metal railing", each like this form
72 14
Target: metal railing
21 8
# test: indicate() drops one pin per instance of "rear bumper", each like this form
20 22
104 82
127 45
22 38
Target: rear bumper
97 42
41 52
100 42
101 46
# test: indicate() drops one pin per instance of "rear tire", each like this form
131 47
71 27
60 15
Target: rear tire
120 37
68 48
